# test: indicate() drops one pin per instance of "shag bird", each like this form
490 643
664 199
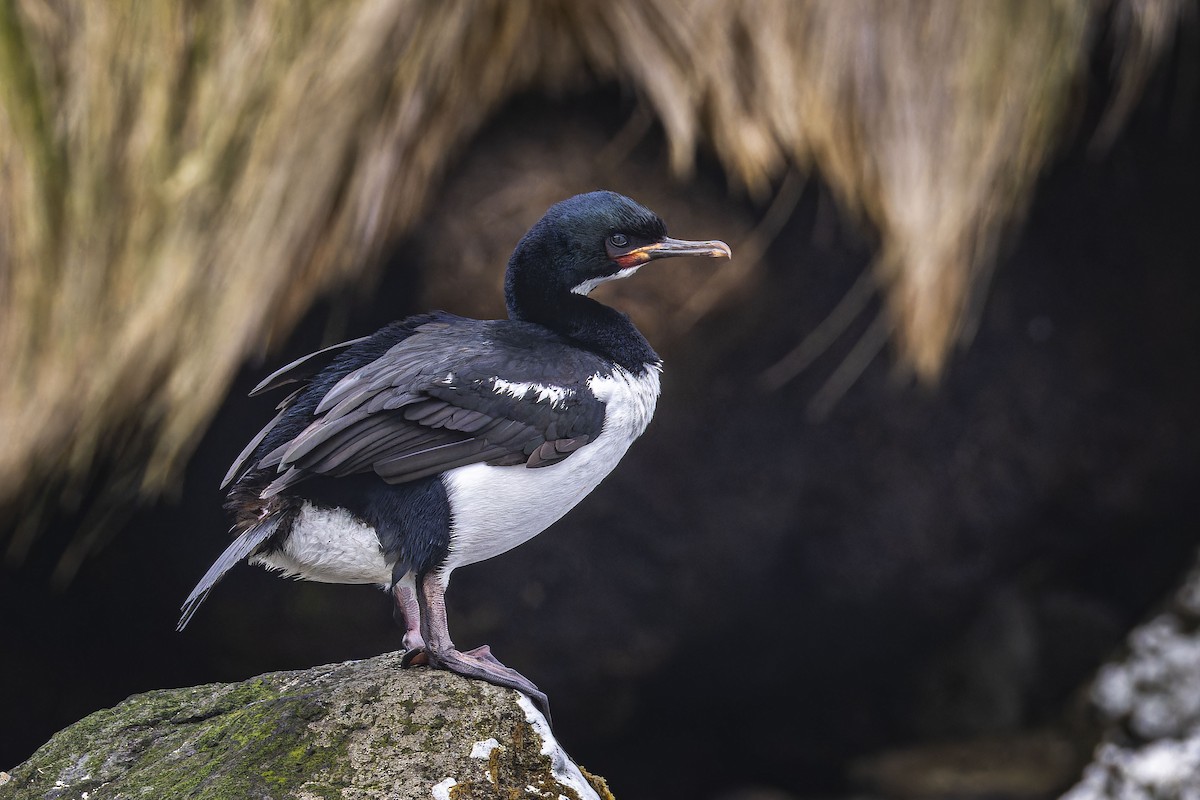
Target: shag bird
440 441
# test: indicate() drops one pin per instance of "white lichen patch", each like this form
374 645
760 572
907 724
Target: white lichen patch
563 768
536 792
484 749
441 789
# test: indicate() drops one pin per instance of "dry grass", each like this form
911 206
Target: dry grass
181 180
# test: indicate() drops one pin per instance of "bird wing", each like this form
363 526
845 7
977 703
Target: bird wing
304 367
434 401
298 371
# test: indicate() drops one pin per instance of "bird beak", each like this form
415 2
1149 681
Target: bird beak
669 248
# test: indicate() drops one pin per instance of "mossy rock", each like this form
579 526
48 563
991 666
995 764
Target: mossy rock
354 731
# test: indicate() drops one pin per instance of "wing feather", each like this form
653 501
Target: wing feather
430 403
303 368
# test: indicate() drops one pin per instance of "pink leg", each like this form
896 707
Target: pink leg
478 663
408 611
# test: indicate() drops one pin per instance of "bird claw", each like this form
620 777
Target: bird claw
414 657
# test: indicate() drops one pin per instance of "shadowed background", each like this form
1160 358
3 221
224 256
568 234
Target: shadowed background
843 536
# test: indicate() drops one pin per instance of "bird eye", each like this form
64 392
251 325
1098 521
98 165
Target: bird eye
618 240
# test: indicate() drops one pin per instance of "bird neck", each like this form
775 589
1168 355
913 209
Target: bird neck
592 325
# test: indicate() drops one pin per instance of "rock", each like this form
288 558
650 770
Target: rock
1150 703
358 730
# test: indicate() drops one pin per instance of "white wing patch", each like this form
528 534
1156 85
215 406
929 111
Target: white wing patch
555 395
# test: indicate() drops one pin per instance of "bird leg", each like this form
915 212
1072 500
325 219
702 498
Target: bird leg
408 615
477 663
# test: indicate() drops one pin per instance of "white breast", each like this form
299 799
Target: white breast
494 509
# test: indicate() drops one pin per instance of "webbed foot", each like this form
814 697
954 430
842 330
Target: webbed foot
479 663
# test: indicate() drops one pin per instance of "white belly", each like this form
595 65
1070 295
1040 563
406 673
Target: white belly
330 546
494 509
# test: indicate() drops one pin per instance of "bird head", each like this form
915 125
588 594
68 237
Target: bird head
585 241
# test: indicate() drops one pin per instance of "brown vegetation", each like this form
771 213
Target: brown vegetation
180 181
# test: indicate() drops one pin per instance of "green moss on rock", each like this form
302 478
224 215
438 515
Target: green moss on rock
358 730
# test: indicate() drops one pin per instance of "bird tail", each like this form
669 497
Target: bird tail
242 546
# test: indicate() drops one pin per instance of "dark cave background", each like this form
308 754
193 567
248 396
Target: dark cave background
754 598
